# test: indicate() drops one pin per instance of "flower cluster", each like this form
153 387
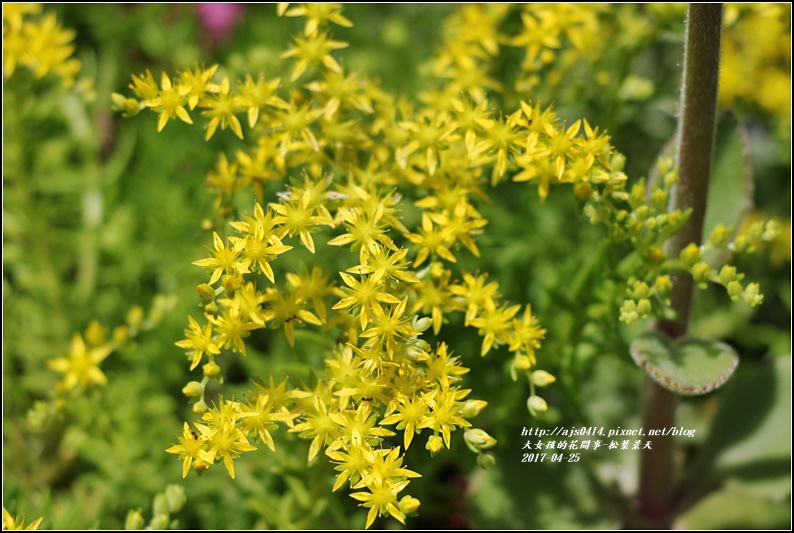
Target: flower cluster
11 523
36 41
757 46
336 162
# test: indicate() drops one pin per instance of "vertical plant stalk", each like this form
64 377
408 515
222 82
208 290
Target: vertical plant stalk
694 150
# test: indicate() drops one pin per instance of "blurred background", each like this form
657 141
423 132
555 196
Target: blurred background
102 218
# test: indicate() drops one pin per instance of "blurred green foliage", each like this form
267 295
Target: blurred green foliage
102 216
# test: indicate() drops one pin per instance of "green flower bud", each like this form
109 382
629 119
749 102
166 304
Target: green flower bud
537 406
541 378
700 272
734 290
719 236
671 178
472 408
206 292
638 192
663 285
160 505
665 165
583 191
175 494
160 522
135 318
434 444
211 369
408 505
659 198
727 274
756 230
200 407
690 255
522 362
478 440
741 245
618 161
422 324
675 220
194 388
644 307
232 281
121 334
486 461
772 231
656 254
639 289
752 295
95 334
628 312
134 520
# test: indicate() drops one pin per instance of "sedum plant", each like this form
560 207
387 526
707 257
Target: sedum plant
385 193
354 250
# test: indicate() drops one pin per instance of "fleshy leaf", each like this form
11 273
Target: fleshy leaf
691 366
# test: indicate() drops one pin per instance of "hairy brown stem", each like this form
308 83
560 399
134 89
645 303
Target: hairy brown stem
694 147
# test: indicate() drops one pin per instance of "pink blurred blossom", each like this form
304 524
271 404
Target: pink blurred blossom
219 20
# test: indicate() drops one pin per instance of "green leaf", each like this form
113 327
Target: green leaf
736 508
690 366
731 185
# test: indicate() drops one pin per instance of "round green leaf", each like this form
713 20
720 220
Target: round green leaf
690 366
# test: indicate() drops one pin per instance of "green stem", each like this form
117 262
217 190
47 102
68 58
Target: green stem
694 149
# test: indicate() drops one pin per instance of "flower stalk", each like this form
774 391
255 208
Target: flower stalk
694 149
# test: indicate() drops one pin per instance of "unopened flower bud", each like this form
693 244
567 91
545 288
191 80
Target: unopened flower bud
206 292
434 444
134 520
486 461
719 236
121 334
752 295
582 191
690 255
160 522
200 407
628 312
671 178
756 230
656 254
727 274
701 271
135 318
663 285
175 495
95 334
422 324
541 378
232 281
618 161
522 362
772 231
734 290
644 307
664 165
194 388
211 369
408 505
472 408
537 406
478 440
